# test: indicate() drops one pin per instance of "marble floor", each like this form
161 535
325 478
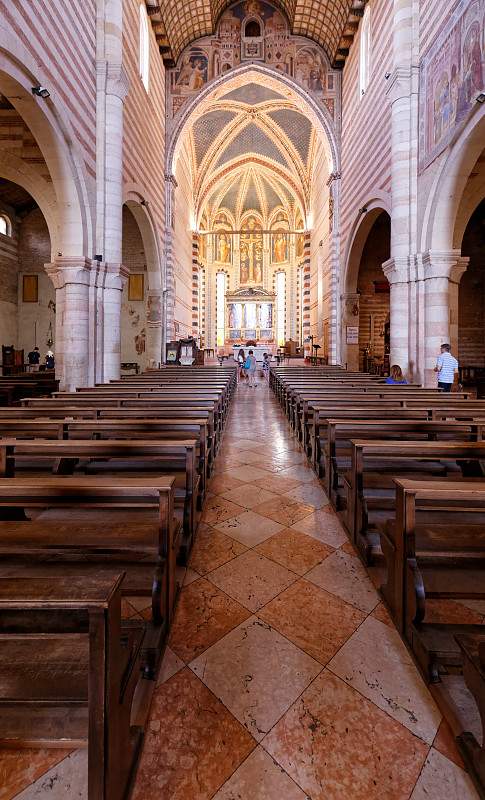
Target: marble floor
284 678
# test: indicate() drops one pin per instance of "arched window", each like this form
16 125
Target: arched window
280 308
5 226
220 308
252 29
144 47
365 51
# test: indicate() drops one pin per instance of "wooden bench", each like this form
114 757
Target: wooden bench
472 646
165 457
69 668
95 525
136 428
337 451
370 486
434 546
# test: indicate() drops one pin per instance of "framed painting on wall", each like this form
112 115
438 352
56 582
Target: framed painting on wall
30 288
136 287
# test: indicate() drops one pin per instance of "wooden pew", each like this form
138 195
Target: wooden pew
472 646
433 546
165 457
135 428
69 668
370 488
337 451
95 525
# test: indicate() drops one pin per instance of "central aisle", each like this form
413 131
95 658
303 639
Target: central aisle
285 678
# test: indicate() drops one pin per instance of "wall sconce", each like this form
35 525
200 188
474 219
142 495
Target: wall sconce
41 91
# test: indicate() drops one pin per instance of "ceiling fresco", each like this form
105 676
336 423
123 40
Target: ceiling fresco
330 23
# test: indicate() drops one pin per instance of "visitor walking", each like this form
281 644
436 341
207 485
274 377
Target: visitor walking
447 368
250 367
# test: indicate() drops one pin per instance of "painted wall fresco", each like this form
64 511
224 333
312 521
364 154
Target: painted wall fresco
236 41
451 76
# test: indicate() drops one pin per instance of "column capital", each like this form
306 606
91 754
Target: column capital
109 275
402 81
66 270
444 264
169 178
117 81
396 270
334 176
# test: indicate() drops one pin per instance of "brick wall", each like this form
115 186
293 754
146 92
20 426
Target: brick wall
144 120
366 122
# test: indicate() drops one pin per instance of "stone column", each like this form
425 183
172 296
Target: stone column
115 278
168 281
455 278
402 91
396 271
442 274
350 317
111 89
335 310
154 327
71 279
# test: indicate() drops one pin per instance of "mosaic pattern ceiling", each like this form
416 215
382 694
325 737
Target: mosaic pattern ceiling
330 23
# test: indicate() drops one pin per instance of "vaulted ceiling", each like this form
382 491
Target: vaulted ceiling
330 23
253 150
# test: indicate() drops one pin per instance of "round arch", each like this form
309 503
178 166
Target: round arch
133 200
357 308
438 233
48 121
358 236
14 169
199 104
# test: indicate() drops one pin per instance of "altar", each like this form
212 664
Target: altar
258 351
250 316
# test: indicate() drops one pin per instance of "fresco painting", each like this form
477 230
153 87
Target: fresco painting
234 42
451 76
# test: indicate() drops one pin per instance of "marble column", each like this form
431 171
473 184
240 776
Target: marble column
168 279
442 273
396 271
71 279
350 318
154 327
402 91
112 86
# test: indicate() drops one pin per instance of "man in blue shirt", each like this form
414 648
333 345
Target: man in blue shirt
446 367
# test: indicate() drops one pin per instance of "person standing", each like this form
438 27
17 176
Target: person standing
34 360
446 367
250 367
241 358
266 366
50 360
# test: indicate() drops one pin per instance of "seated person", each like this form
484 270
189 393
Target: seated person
396 376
